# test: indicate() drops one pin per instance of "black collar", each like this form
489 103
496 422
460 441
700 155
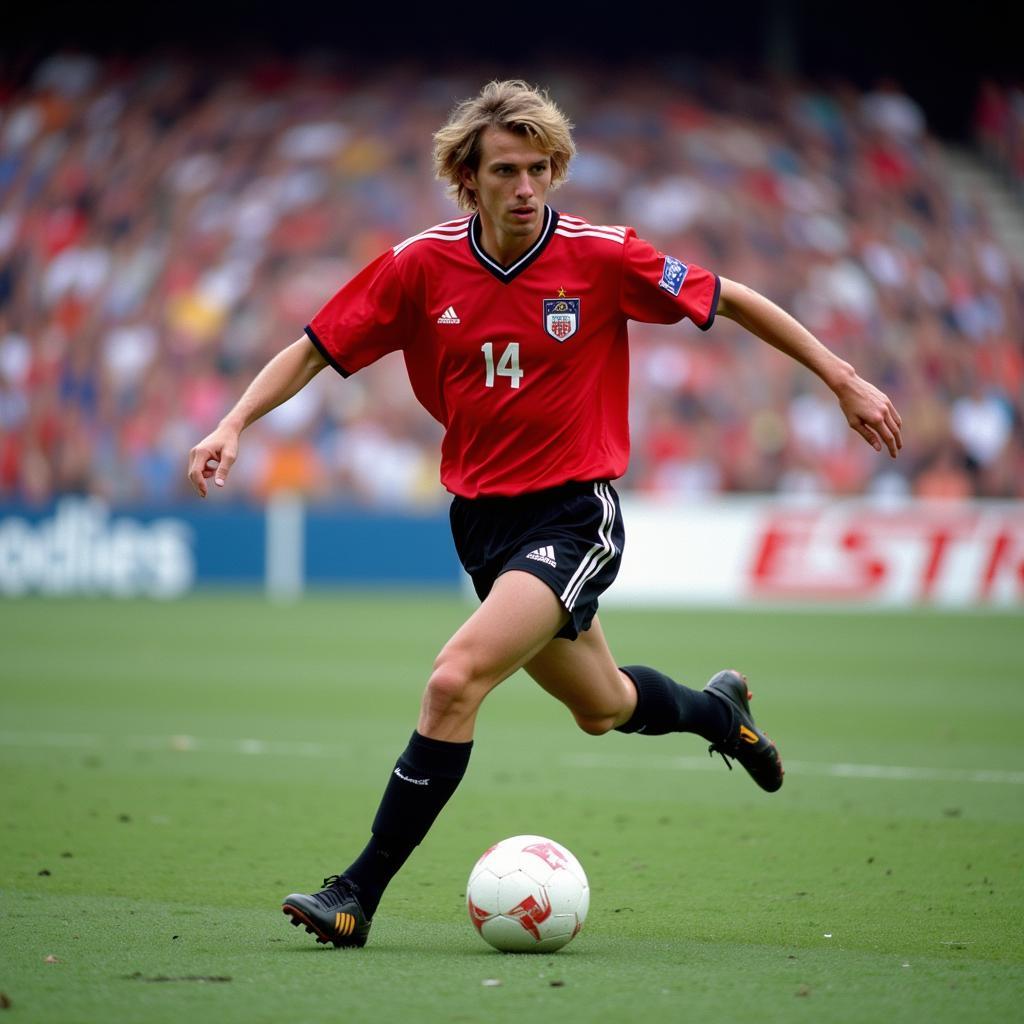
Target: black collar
506 274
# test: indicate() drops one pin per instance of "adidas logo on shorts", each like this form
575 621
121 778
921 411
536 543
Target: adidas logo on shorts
545 555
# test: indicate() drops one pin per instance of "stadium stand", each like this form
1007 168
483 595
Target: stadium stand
166 226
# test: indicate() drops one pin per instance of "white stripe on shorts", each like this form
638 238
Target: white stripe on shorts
599 555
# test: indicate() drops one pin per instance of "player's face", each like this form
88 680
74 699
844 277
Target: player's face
510 187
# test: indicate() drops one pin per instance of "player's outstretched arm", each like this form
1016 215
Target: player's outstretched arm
285 375
867 410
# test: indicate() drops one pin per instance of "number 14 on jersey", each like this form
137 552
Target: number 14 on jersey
508 364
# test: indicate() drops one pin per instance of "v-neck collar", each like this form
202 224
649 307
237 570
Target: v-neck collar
506 274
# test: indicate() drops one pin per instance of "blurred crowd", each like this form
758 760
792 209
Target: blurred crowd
999 129
168 225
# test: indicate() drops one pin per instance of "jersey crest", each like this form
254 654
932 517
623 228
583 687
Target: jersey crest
673 275
561 318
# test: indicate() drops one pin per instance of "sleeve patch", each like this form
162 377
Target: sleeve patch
673 275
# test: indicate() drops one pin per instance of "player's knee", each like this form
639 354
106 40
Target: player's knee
453 686
447 687
594 725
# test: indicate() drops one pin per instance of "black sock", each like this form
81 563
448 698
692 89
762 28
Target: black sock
663 706
423 779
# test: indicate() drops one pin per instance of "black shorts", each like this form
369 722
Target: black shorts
570 537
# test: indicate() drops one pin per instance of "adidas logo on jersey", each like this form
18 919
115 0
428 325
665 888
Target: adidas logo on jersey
449 316
545 555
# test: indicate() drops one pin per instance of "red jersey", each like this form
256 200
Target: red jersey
527 366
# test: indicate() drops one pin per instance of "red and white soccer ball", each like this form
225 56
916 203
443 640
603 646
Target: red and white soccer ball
527 894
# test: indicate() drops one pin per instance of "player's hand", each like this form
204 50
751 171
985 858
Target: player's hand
871 413
213 456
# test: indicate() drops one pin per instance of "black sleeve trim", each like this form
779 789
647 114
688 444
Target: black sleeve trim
311 334
714 305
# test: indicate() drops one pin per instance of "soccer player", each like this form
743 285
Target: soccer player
513 323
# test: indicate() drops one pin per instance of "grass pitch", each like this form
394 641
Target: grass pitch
169 771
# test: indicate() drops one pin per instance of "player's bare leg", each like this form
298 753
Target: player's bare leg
583 675
517 620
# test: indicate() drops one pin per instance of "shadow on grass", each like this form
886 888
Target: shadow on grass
411 949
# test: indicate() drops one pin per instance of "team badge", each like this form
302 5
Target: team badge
673 275
561 318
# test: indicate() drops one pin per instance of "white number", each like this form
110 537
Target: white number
508 364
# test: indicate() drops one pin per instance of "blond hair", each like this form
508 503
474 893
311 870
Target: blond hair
514 106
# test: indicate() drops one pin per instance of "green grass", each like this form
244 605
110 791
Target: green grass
146 844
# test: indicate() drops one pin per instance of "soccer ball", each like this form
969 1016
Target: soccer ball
527 894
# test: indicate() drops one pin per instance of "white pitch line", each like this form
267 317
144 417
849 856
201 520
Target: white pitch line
171 744
249 747
50 739
897 773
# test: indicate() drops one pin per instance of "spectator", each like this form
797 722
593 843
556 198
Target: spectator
165 228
